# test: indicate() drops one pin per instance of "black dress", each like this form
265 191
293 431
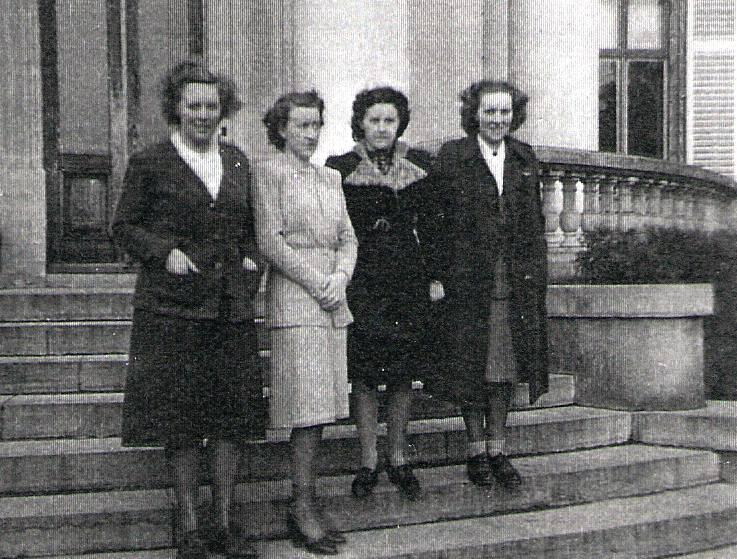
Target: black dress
388 294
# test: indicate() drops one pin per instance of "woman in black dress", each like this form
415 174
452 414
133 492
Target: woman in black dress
185 215
388 295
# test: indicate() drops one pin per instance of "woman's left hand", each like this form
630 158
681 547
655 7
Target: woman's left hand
333 294
249 265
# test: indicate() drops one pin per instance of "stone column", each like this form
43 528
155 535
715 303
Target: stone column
343 46
553 57
22 177
252 43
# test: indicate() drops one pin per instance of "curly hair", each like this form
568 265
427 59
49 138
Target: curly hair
277 116
370 97
471 100
194 71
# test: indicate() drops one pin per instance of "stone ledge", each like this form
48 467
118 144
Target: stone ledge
630 301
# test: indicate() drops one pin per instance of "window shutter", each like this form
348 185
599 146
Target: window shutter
711 95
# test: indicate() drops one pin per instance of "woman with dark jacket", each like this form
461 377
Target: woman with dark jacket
185 214
383 181
485 243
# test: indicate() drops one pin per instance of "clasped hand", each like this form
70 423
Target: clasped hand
333 292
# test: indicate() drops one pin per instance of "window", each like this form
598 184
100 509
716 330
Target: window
633 76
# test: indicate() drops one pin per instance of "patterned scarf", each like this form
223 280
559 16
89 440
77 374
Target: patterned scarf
382 158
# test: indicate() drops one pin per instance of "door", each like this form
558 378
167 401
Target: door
102 63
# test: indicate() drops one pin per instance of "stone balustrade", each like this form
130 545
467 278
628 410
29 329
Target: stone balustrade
583 191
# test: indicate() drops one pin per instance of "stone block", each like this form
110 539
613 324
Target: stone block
631 347
88 337
713 427
62 415
33 374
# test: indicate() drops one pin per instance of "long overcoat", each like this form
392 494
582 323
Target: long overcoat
463 238
164 206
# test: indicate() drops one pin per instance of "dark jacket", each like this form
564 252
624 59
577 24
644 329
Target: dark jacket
464 236
165 205
388 293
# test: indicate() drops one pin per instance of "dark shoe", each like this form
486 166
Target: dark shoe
404 478
321 546
231 543
479 471
504 472
190 546
364 483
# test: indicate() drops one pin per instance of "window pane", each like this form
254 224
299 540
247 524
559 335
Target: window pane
607 105
607 31
83 76
645 109
645 24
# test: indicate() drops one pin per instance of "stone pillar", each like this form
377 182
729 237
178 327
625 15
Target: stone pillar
553 57
22 177
343 46
252 43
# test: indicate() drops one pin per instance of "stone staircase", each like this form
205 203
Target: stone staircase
592 489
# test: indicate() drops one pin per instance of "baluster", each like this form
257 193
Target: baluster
570 218
666 203
607 196
552 208
591 218
651 204
711 210
625 217
690 209
679 205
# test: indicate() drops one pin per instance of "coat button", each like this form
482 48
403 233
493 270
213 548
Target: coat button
218 265
212 204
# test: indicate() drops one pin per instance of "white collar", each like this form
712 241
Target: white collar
489 152
187 152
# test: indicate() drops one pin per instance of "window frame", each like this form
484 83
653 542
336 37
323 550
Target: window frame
672 54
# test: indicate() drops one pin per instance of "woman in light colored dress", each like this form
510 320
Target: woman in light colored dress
303 230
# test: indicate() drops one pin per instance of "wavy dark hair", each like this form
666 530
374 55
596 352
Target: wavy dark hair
471 99
277 116
369 97
194 71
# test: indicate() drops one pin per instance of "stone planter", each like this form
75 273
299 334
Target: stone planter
631 347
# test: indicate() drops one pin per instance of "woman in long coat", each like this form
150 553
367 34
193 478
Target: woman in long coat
185 214
486 244
383 182
304 231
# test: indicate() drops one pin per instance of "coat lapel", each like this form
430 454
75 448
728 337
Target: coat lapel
190 179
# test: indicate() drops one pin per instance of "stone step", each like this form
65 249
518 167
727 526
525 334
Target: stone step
66 303
127 520
63 465
46 374
82 415
728 552
72 303
77 337
658 525
713 427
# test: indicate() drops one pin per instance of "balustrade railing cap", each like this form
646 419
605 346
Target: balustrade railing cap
626 164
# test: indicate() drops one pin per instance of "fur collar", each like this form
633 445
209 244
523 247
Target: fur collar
400 176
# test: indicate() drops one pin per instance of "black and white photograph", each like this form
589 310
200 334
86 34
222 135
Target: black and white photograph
368 279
